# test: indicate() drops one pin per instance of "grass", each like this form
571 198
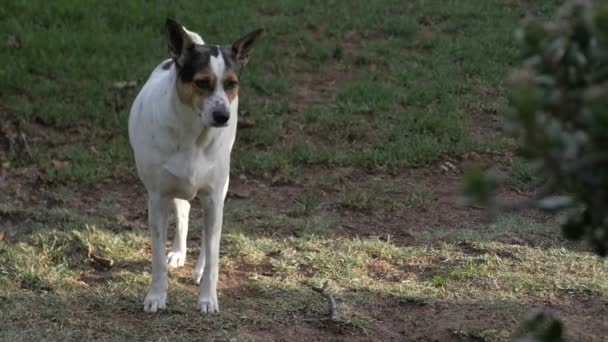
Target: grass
523 173
385 99
345 100
266 281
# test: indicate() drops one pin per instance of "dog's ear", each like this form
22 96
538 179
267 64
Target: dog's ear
179 40
244 46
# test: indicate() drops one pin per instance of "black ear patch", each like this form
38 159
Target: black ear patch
215 51
167 65
196 60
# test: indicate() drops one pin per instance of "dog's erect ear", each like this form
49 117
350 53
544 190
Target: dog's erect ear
244 46
179 40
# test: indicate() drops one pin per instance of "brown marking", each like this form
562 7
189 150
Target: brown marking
232 93
192 95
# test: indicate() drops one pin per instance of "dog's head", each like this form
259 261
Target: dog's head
208 75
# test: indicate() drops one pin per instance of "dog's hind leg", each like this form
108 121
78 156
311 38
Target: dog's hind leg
197 275
208 263
177 256
158 217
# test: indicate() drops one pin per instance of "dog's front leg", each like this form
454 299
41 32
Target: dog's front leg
177 256
158 213
208 263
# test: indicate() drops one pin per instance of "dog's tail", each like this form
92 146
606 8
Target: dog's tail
196 39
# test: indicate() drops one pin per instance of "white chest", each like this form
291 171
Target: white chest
187 172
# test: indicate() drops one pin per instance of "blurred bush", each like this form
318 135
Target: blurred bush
559 96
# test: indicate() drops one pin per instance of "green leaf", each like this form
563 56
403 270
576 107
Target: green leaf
599 21
555 203
526 97
574 228
479 186
531 36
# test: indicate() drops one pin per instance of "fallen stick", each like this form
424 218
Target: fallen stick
330 300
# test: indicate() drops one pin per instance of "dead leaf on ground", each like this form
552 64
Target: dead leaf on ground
129 224
60 164
280 180
125 84
238 194
99 262
104 263
14 41
120 218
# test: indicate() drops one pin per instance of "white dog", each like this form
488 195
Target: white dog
182 127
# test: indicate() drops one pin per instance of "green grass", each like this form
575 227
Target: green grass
398 87
376 87
523 173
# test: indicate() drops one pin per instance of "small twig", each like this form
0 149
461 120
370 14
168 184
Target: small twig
330 300
25 144
261 89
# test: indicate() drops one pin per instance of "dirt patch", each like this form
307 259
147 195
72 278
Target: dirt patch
431 321
399 319
377 203
317 89
324 331
366 202
579 314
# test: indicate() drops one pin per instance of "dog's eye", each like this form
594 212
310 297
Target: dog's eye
204 84
230 84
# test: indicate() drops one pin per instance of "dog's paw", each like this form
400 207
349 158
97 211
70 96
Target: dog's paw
208 304
176 259
155 301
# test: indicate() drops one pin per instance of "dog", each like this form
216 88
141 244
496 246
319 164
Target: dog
182 126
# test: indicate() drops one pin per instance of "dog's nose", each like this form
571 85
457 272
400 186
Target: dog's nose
220 116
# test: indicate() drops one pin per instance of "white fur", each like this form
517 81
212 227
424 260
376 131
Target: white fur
178 155
196 39
219 99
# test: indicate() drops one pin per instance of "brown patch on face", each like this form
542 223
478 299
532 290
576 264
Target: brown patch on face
231 85
196 92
